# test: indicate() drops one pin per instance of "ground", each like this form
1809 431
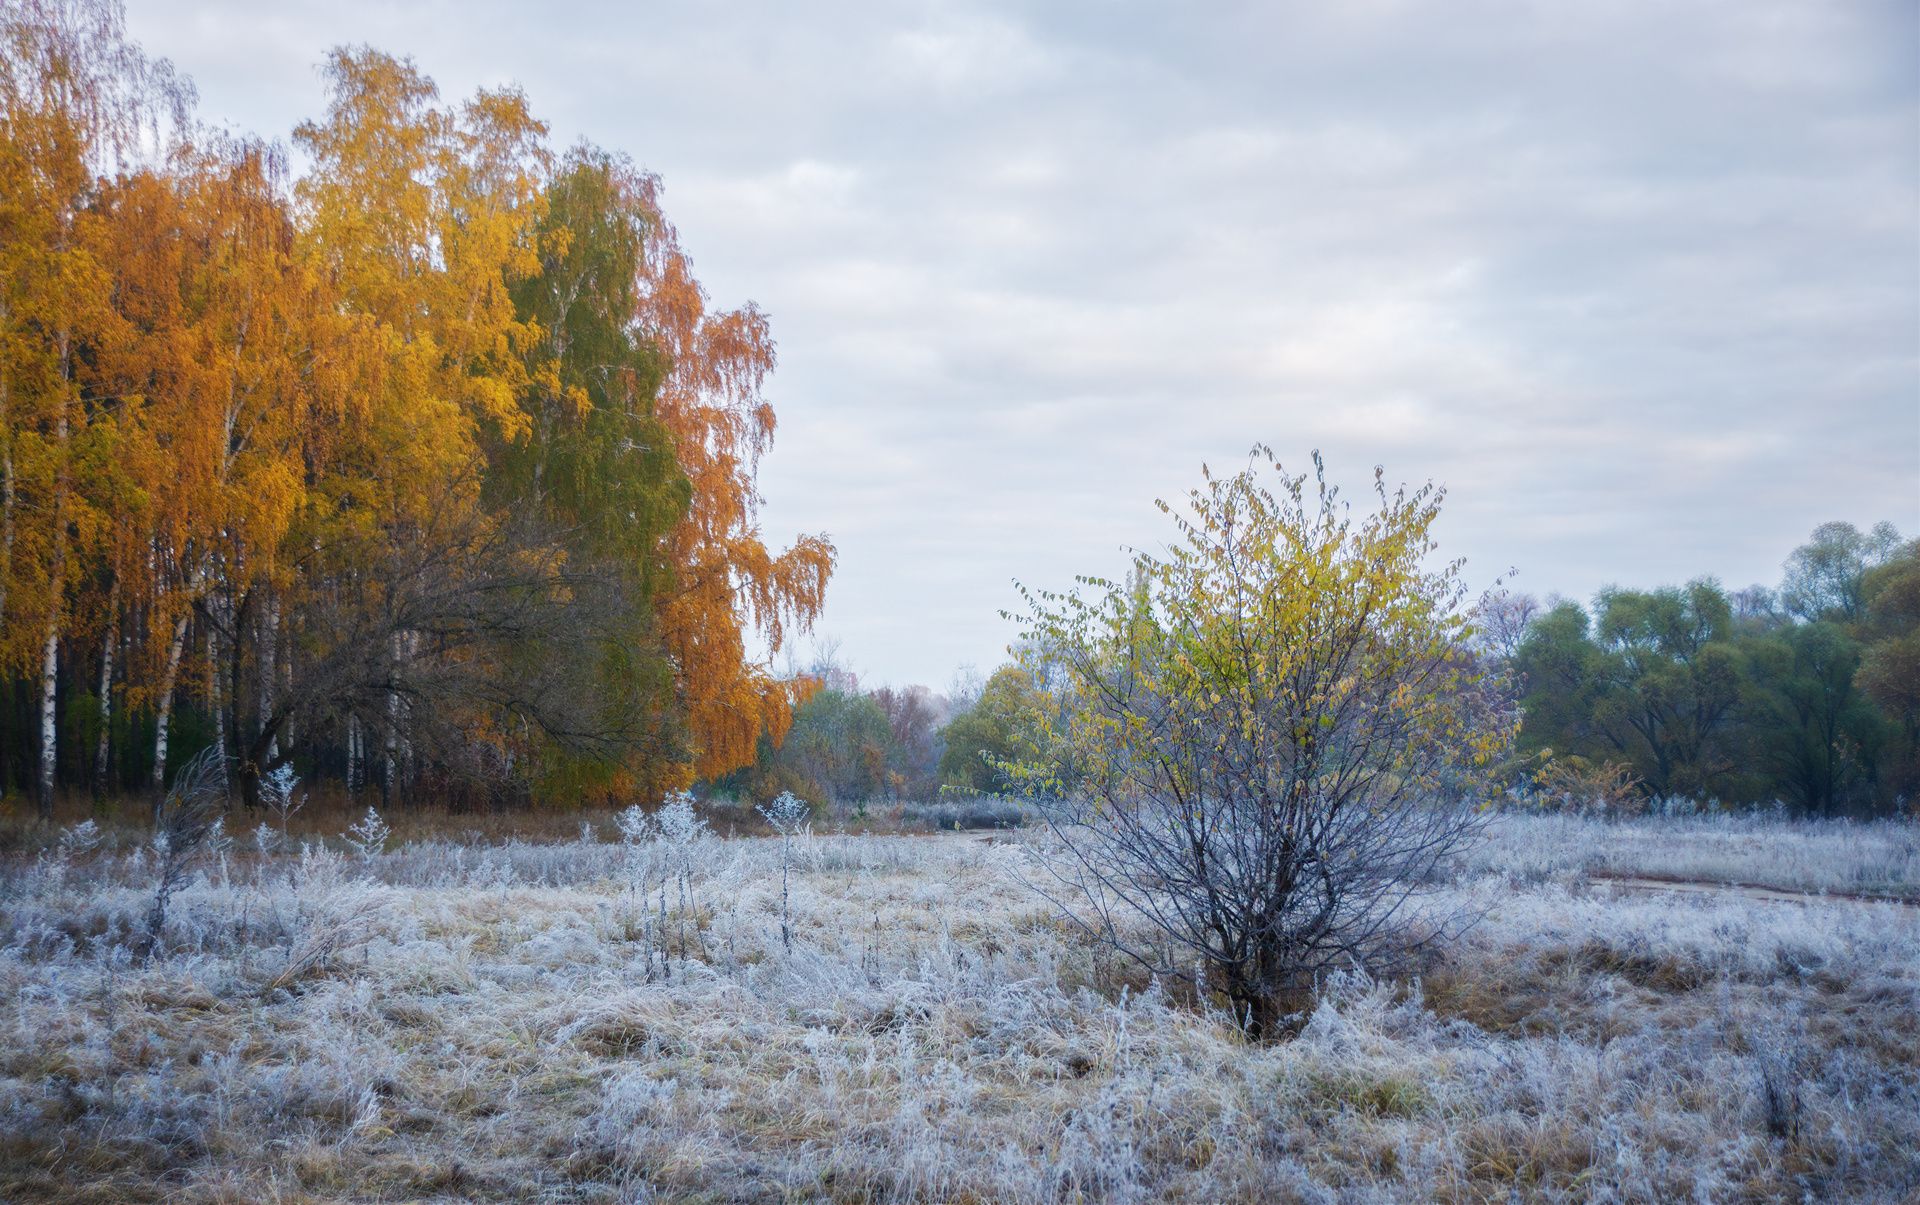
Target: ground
590 1021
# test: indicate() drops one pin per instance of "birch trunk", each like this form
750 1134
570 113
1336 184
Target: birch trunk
103 750
49 740
269 680
169 678
216 701
353 755
56 587
387 784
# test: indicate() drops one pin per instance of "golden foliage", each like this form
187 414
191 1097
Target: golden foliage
225 395
729 582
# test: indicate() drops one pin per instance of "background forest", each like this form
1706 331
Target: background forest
1806 694
429 473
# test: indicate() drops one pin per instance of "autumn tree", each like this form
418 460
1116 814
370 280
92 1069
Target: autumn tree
420 219
224 370
728 584
76 100
428 467
1275 732
593 462
914 715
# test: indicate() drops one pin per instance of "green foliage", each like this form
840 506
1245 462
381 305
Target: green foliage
596 468
1826 577
1001 728
597 462
1668 682
1818 734
1889 672
846 746
841 744
1813 705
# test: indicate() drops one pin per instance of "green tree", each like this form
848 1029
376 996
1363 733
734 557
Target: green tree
590 462
1814 735
841 745
1001 728
1890 666
1826 577
1654 682
1559 665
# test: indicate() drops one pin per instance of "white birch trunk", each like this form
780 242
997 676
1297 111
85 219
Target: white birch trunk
169 678
49 739
56 587
103 750
215 697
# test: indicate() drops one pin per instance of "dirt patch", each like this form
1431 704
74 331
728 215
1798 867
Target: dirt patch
1752 891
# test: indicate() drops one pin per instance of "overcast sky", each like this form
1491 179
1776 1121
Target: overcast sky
1639 283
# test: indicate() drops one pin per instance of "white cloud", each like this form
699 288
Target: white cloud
961 52
1640 283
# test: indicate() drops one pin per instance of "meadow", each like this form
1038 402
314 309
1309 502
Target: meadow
615 1017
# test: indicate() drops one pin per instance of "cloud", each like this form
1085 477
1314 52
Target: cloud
969 53
1639 282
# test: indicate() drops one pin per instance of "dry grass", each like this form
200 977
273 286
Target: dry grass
461 1020
1874 858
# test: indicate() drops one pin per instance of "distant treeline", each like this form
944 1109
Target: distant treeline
428 472
849 745
1807 694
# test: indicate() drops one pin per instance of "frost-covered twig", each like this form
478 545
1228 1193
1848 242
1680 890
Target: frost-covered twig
368 836
787 814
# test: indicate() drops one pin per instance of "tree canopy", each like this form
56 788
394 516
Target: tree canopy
431 469
1804 694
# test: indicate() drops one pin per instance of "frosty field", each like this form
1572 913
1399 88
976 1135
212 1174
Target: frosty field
596 1021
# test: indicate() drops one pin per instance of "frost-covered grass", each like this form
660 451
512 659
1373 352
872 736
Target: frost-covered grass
618 1020
1880 858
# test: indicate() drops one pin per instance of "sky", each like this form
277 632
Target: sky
1638 283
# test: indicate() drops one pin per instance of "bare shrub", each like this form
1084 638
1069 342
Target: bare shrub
683 831
1780 1094
328 912
188 816
1272 737
277 793
74 842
